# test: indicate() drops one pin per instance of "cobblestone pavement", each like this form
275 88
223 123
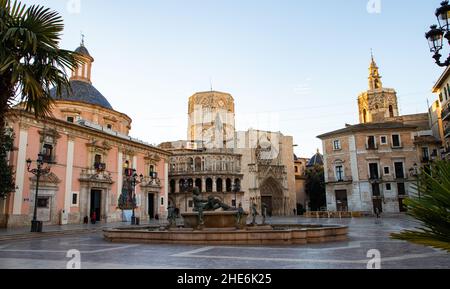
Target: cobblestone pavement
365 234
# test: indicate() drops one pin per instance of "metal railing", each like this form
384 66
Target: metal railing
447 131
445 112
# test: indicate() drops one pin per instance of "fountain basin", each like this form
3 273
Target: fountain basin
223 219
251 235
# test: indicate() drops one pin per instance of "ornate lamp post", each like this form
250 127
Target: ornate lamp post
236 189
133 180
437 34
36 226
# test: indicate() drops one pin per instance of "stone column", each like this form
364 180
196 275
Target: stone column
214 188
84 202
135 162
144 205
20 170
203 184
119 173
165 194
177 186
69 174
104 206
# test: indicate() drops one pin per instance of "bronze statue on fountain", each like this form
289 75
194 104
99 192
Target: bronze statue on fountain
206 214
210 205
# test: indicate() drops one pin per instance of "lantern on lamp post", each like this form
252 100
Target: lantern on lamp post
39 171
437 33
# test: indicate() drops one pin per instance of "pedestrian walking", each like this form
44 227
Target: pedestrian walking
94 218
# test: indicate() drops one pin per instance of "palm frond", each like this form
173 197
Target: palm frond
30 56
432 209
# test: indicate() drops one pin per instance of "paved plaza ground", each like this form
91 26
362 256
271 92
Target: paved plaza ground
365 234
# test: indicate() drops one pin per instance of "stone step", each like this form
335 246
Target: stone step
28 236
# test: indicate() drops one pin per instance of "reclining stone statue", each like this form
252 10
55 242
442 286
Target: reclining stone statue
209 205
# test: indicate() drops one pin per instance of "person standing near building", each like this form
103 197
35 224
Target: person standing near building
377 212
93 218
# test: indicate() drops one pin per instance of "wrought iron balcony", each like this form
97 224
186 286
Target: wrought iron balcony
375 179
341 180
425 160
151 182
100 167
208 171
447 131
93 175
445 114
371 147
49 159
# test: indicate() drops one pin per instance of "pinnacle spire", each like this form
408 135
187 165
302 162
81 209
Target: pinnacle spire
374 75
82 39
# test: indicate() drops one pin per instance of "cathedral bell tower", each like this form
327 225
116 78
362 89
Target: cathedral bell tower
212 119
374 76
378 104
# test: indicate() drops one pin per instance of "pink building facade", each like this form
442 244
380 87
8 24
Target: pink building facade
87 146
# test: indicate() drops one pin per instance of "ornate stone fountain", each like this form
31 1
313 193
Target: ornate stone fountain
215 223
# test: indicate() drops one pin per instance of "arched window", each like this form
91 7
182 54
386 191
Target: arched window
181 184
198 184
219 184
296 169
209 185
172 186
391 111
228 185
364 116
237 183
190 163
151 171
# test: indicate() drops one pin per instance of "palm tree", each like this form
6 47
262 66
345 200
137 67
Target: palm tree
432 209
31 62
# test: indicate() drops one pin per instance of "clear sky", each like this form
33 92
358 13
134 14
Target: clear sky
302 63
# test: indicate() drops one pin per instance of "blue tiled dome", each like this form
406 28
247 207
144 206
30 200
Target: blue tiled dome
83 92
82 50
316 159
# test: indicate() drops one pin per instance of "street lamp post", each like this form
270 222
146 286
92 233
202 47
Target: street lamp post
36 226
132 178
437 33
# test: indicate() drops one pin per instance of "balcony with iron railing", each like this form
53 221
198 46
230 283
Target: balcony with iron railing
100 167
447 132
340 180
375 178
205 171
425 160
94 175
151 181
445 114
445 150
49 159
371 147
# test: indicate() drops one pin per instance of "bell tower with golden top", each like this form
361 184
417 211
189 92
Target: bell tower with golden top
378 104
